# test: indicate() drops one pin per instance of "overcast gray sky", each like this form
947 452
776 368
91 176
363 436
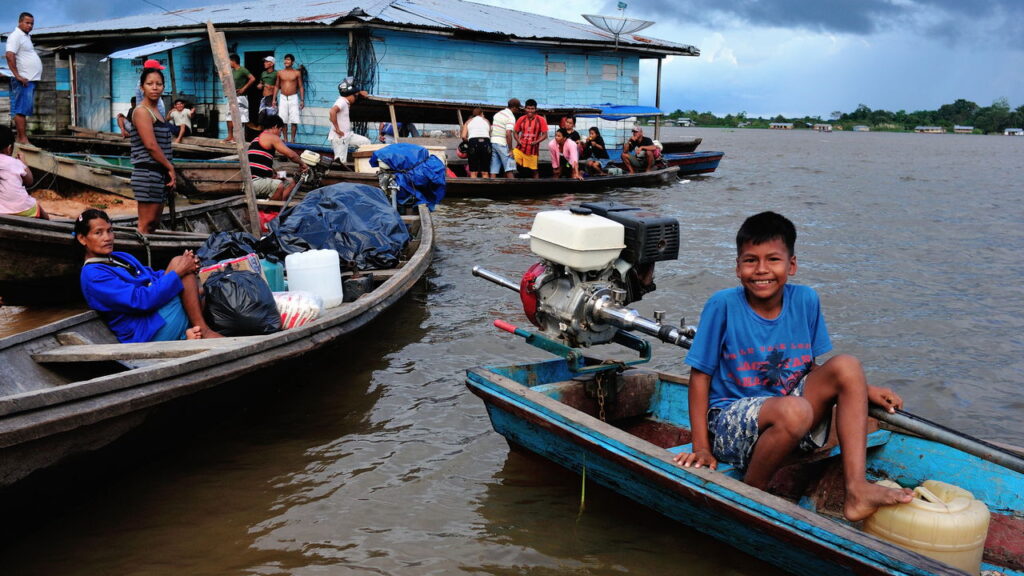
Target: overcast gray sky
768 57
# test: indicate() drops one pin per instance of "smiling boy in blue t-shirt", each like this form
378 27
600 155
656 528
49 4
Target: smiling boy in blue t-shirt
756 393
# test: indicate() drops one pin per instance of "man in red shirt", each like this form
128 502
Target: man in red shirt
531 131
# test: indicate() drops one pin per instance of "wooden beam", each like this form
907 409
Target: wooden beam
657 104
135 351
394 122
220 58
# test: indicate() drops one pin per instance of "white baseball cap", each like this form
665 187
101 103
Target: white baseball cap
270 59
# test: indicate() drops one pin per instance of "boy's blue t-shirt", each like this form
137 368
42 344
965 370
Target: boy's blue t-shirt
747 355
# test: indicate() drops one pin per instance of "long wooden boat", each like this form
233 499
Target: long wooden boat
84 140
522 187
680 146
69 387
40 264
111 173
695 162
625 440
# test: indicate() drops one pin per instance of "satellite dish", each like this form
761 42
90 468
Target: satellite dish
617 25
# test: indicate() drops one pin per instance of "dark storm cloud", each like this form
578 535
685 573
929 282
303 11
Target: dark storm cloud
955 20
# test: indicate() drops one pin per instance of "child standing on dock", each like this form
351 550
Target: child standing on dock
756 392
14 177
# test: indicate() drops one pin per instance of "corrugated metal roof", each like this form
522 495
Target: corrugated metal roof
444 15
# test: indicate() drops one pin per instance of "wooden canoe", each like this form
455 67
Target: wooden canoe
547 409
40 264
110 173
98 142
522 187
69 387
695 162
680 146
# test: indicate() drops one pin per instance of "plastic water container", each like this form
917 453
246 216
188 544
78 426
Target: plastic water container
274 273
943 521
316 271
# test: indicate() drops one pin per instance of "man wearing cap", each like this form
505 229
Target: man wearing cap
639 152
268 84
151 63
27 70
243 80
341 136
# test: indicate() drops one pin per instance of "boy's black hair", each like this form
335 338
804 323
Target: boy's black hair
764 227
234 58
287 56
531 102
6 137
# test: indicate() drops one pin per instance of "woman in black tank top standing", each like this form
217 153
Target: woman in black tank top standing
152 172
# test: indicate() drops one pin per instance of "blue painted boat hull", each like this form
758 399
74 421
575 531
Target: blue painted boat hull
540 407
695 162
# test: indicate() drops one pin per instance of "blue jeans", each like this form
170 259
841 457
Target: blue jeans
22 98
501 160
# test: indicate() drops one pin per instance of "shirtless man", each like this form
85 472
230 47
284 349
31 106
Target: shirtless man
291 96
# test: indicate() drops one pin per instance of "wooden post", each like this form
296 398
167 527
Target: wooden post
394 122
657 104
220 58
174 84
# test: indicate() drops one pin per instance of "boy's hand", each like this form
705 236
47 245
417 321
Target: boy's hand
696 459
885 398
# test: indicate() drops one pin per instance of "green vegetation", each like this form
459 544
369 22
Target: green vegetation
984 119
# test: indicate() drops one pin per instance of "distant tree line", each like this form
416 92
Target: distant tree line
984 119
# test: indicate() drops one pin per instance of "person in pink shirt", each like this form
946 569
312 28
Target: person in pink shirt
14 177
565 156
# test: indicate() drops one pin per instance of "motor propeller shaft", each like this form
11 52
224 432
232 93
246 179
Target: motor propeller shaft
605 309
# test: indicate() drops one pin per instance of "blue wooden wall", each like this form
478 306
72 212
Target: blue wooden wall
410 65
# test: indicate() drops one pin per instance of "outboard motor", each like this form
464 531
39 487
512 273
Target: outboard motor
595 260
318 166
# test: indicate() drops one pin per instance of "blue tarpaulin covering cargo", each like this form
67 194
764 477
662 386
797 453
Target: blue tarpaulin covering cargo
356 220
420 176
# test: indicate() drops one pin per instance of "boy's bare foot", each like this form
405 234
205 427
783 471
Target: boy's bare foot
209 333
194 333
865 498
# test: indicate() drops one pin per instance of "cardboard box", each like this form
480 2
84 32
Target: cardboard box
250 262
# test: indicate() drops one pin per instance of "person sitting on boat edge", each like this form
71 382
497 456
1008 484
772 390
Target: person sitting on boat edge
569 124
594 151
565 157
639 152
265 184
139 304
15 176
756 393
181 119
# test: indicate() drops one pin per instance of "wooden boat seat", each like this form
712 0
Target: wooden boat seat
875 439
135 351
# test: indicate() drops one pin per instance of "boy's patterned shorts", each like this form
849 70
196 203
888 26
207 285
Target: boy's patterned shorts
734 429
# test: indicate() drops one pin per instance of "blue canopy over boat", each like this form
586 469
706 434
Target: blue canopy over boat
619 112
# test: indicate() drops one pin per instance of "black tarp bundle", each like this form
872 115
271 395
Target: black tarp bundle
225 246
420 176
355 220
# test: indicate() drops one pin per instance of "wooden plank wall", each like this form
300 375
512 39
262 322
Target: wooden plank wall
53 98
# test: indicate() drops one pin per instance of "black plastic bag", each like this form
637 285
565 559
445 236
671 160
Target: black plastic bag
240 303
226 245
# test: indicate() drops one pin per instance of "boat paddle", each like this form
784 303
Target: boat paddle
939 433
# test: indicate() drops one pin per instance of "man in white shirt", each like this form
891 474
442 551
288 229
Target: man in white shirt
341 136
27 69
503 140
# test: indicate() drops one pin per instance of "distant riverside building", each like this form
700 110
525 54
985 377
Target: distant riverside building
685 122
415 49
781 125
963 129
1013 132
823 127
861 128
929 130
